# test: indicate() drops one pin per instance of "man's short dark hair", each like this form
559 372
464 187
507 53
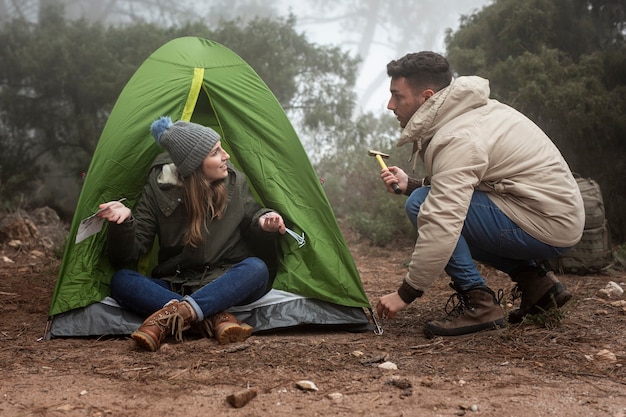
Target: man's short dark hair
423 69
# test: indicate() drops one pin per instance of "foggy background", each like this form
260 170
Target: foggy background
560 62
382 43
377 31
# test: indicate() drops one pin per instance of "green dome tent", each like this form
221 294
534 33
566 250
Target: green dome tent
202 81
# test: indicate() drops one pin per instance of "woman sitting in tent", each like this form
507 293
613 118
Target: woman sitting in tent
207 222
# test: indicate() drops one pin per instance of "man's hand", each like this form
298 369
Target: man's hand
394 175
389 305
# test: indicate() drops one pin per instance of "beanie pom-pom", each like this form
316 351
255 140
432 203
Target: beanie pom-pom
159 126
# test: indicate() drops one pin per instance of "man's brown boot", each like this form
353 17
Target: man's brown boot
174 318
226 328
540 291
474 310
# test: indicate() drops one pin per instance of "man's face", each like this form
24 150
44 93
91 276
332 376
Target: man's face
404 100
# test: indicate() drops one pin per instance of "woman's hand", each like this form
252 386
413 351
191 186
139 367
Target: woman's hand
114 211
272 222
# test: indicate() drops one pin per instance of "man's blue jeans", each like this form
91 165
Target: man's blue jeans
488 236
244 283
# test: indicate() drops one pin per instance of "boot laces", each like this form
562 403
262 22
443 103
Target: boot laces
516 294
455 306
175 322
500 296
171 321
459 301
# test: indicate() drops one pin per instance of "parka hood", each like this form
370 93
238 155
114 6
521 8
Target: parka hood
463 94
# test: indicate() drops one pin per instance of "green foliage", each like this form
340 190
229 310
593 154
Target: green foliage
314 84
59 80
563 64
385 227
353 184
550 319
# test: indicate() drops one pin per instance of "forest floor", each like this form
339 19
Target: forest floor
571 365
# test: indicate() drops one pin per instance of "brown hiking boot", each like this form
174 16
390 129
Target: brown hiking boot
540 291
174 317
472 311
226 328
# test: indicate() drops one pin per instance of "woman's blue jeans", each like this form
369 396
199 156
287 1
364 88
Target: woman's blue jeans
244 283
488 236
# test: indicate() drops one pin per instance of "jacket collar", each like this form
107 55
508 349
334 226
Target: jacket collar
463 94
168 186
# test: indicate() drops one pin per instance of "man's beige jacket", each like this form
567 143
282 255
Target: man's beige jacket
470 142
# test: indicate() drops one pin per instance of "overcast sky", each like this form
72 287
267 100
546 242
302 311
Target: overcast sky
374 67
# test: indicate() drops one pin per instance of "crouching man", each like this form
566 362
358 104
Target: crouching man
497 191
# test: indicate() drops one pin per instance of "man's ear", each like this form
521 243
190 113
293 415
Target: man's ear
428 93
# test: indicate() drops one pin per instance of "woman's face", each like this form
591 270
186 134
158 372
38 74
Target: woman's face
214 165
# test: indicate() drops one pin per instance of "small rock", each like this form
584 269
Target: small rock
427 382
241 398
306 385
606 356
357 354
388 365
335 396
402 383
611 291
65 407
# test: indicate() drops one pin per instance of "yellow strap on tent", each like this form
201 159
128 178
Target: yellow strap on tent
194 91
148 261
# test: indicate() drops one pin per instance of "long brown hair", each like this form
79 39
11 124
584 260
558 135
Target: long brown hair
205 201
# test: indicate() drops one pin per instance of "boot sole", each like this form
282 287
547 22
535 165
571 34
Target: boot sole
233 333
145 341
557 296
431 331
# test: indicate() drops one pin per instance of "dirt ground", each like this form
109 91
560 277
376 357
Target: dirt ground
572 367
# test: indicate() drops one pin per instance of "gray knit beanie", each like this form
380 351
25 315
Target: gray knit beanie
187 143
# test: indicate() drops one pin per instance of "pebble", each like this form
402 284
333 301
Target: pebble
612 291
241 398
335 396
388 365
606 355
306 385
